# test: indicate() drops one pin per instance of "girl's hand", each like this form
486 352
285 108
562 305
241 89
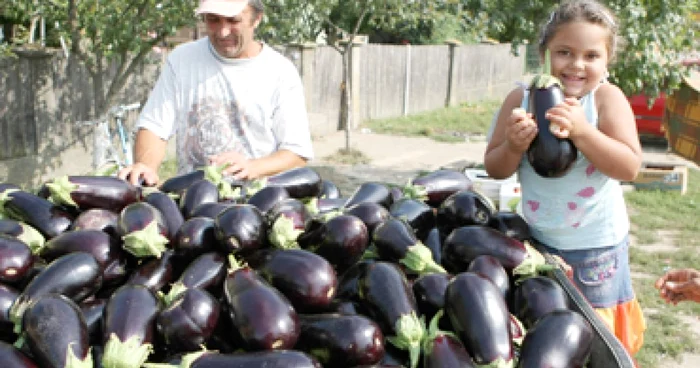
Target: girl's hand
566 117
520 131
679 285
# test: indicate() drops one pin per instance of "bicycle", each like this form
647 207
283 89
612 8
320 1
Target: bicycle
109 156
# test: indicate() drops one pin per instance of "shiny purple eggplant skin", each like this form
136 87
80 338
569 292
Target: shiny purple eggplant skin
560 339
433 240
93 311
205 272
179 183
267 197
195 237
107 192
372 214
52 325
329 190
300 182
480 317
511 224
103 247
341 341
550 156
387 295
12 228
210 209
429 291
16 259
341 241
8 295
189 322
445 351
75 275
12 357
203 191
131 312
38 212
241 229
154 273
489 267
468 242
97 219
392 238
349 281
290 210
166 205
463 208
263 316
417 214
307 280
536 296
373 192
441 184
325 205
258 359
137 216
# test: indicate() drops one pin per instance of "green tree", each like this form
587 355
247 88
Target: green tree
108 35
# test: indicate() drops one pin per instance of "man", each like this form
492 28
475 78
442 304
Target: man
229 99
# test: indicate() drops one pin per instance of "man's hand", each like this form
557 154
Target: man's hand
679 285
237 165
139 174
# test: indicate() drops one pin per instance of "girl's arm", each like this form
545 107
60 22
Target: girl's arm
511 137
614 147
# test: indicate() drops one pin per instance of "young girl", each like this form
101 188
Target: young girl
580 216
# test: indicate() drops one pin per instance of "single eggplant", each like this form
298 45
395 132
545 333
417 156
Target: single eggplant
12 357
443 349
396 242
40 213
85 192
549 155
267 197
155 273
429 291
479 316
189 321
258 359
490 267
143 230
390 302
417 214
97 219
195 237
372 214
286 221
466 207
329 190
300 182
75 275
341 241
560 339
203 191
204 272
55 331
16 259
511 224
262 316
433 240
468 242
179 183
434 187
129 326
241 229
24 232
536 296
373 192
305 278
341 341
169 209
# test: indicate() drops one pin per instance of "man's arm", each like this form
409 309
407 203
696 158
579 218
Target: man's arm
149 152
243 168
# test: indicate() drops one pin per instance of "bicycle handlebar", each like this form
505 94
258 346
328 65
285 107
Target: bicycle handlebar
120 109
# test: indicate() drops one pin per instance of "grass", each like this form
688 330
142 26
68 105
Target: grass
451 124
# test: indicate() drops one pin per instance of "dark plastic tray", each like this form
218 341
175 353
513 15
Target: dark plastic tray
607 351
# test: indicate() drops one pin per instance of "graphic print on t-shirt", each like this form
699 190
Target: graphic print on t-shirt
213 126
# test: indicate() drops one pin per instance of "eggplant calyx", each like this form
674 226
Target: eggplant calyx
533 263
214 174
283 233
370 253
544 81
32 237
419 258
227 191
145 242
418 192
255 186
518 340
434 331
410 331
16 313
311 205
234 265
72 361
129 353
176 290
61 189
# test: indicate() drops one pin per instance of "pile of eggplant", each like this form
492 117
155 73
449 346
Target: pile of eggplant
282 272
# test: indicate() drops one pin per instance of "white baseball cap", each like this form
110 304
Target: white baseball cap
226 8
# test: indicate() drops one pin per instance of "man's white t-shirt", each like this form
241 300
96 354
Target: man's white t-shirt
254 106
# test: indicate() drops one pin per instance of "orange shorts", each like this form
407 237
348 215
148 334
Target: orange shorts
626 321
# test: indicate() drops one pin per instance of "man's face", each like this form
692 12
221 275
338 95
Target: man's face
233 37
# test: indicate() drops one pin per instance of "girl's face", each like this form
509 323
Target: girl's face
579 56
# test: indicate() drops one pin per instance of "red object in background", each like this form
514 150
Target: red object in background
649 120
